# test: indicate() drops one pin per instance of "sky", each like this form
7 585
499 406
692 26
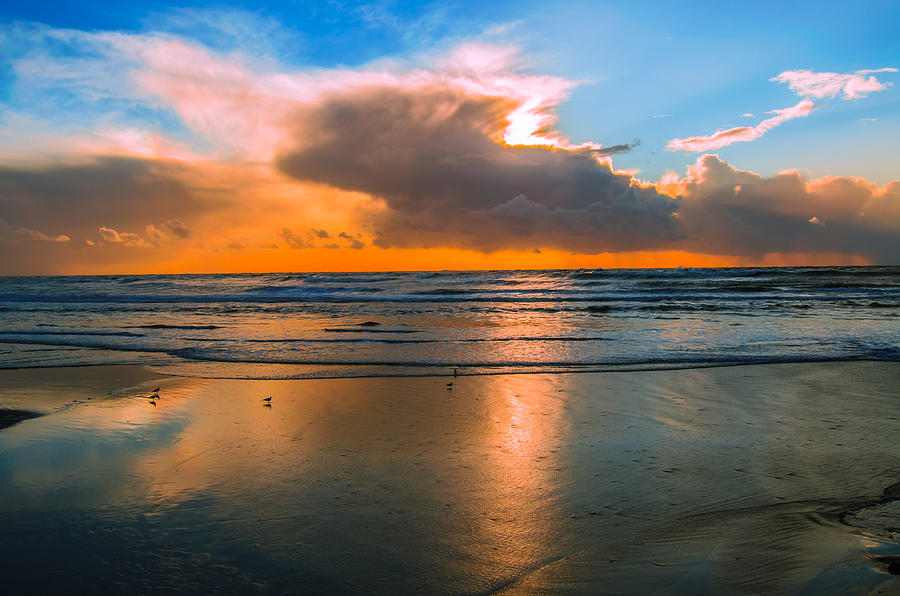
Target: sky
341 136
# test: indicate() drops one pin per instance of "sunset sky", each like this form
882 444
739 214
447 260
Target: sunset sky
449 135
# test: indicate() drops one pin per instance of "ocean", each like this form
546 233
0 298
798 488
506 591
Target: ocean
321 325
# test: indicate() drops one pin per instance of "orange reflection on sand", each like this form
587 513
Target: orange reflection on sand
527 429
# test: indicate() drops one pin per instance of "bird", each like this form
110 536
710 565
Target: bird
267 400
152 402
455 371
154 396
156 390
450 385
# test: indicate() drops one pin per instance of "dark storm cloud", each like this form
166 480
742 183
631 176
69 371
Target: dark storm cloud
432 155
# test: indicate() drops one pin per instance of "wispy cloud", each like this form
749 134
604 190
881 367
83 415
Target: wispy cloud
804 83
807 83
26 234
741 134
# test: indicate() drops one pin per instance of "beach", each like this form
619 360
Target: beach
773 478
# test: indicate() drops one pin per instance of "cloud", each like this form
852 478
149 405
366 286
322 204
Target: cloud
807 83
616 149
437 156
804 83
125 238
83 191
172 229
294 240
729 211
177 228
459 150
354 241
99 197
22 234
741 134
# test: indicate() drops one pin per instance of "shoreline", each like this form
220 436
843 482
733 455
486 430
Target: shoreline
159 369
766 477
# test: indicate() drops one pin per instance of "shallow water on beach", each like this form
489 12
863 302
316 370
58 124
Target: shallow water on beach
708 480
407 323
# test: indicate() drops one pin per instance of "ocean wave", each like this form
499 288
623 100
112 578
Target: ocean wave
344 279
165 326
572 318
368 330
86 332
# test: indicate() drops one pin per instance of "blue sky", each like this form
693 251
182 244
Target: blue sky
647 70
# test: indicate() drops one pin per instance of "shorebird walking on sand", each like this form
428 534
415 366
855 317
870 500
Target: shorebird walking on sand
156 390
268 401
450 385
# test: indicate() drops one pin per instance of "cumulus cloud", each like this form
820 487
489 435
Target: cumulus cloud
154 235
294 240
312 238
354 242
437 156
808 83
723 138
729 211
124 238
177 228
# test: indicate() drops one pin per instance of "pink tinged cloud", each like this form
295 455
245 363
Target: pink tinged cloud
741 134
248 109
820 85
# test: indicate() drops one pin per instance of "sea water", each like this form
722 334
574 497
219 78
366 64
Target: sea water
297 325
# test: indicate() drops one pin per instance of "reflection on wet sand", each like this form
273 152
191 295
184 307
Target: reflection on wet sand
710 480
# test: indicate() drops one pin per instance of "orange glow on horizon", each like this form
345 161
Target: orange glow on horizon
266 260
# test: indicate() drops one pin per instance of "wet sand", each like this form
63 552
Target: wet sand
756 479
